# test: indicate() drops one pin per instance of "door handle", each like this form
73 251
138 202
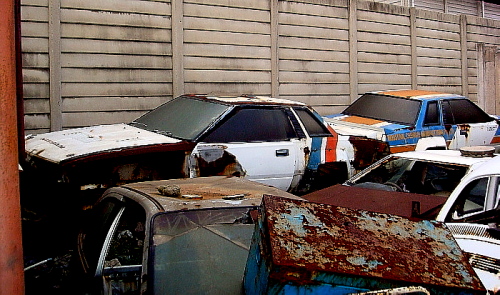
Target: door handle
282 153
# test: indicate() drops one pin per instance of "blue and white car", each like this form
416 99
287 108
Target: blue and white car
406 120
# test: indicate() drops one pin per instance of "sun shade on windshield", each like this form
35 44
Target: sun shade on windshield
183 117
385 108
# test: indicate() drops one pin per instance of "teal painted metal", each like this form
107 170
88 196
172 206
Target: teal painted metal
309 248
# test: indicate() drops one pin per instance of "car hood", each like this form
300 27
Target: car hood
71 144
360 126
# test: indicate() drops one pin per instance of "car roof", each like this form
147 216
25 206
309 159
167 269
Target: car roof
248 99
489 167
202 193
418 94
443 156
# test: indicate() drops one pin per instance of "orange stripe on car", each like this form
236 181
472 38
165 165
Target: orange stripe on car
409 93
495 139
361 120
402 148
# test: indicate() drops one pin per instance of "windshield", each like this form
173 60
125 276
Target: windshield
385 108
201 251
411 175
183 117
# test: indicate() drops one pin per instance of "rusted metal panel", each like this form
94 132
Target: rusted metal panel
303 247
404 204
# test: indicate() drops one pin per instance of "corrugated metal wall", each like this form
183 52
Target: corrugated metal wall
95 62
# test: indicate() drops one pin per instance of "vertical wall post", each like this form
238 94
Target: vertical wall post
55 98
413 44
275 83
463 52
353 50
11 250
178 47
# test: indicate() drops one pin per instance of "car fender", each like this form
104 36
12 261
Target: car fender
434 142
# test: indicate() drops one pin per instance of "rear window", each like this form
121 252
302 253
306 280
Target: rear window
385 108
463 111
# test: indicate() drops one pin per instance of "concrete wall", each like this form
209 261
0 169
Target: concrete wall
106 61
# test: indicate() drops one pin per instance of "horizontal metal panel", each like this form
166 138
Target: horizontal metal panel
314 44
114 18
395 79
384 48
384 38
313 89
383 28
443 53
125 6
225 25
217 50
116 47
114 33
439 62
229 38
438 25
221 63
438 35
74 120
99 75
440 72
228 88
309 77
122 103
314 21
219 76
115 89
36 106
32 29
34 14
254 4
36 90
332 9
438 80
35 60
376 67
36 122
222 12
34 75
389 59
35 45
74 60
462 7
315 55
383 18
439 44
313 32
314 66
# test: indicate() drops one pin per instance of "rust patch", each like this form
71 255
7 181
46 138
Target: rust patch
410 93
361 120
315 242
367 151
217 161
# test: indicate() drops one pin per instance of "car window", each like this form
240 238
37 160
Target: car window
128 239
207 249
463 111
313 126
432 114
472 199
94 232
414 176
385 108
183 117
253 125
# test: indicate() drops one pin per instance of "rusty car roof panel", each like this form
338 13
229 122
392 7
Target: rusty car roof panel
415 94
313 240
208 192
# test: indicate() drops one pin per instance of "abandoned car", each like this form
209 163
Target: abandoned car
405 120
178 236
273 141
460 188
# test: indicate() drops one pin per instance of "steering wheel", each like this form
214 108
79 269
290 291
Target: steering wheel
392 184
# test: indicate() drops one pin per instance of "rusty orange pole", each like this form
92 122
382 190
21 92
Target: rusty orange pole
11 250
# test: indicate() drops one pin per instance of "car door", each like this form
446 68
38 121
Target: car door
111 248
472 125
260 143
